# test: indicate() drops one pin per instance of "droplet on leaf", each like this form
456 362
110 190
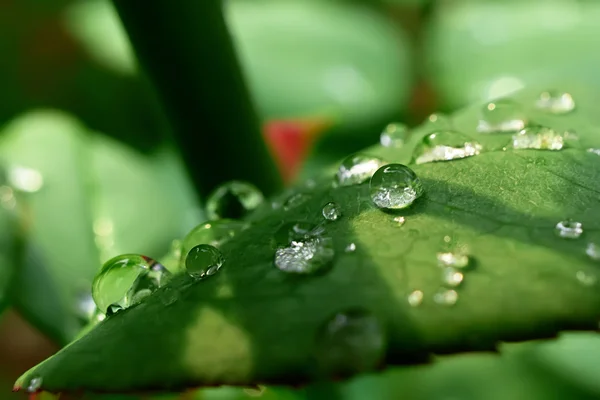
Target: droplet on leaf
501 116
215 233
394 135
331 212
34 384
351 248
569 229
395 186
399 220
352 341
446 297
295 231
203 260
555 102
357 169
415 298
538 137
586 279
449 259
233 200
126 280
305 256
452 277
593 251
169 296
445 146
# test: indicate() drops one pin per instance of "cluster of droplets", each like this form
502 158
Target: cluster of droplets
573 230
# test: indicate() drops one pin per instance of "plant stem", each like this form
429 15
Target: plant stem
185 49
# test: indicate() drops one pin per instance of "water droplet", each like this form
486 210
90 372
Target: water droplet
233 200
594 151
305 256
399 220
593 251
169 296
446 297
395 186
295 200
447 239
538 137
350 342
215 233
415 298
125 280
203 260
331 212
357 168
555 102
34 384
586 279
351 248
445 146
501 116
455 260
569 229
452 277
25 179
394 135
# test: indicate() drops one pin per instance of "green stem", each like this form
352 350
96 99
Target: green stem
185 49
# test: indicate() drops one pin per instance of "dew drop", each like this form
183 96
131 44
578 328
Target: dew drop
569 229
305 256
351 248
445 146
203 260
555 102
399 220
586 279
34 384
215 233
501 116
593 251
331 212
233 200
415 298
452 277
357 169
446 297
454 260
295 200
538 137
126 280
395 186
394 135
25 179
352 341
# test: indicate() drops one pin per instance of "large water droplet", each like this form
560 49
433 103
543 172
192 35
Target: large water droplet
538 137
569 229
331 212
395 186
446 297
25 179
555 102
415 298
452 277
501 116
215 233
126 280
305 256
454 260
34 384
445 146
357 168
233 200
593 251
585 278
203 260
394 135
350 342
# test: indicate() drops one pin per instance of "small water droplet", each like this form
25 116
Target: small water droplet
394 135
569 229
452 277
445 146
415 298
357 169
446 297
593 251
203 260
538 137
455 260
399 220
25 179
501 116
34 384
447 239
350 342
305 256
555 102
594 151
125 280
169 296
331 212
295 200
395 186
351 248
586 279
215 233
233 200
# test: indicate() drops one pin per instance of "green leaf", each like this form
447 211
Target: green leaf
98 198
253 323
10 247
484 49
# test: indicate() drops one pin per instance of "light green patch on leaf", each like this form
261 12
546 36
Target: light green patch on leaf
500 208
